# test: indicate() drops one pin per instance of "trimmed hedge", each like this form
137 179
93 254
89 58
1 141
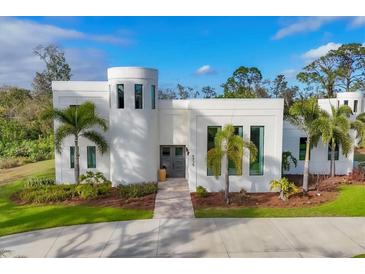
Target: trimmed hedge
137 190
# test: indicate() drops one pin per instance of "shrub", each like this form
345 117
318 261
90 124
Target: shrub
357 174
137 190
104 188
52 193
11 162
39 182
93 178
201 192
86 191
286 188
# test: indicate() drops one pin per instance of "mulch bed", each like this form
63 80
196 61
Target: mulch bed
111 199
324 191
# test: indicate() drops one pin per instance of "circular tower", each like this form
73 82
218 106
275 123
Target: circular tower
133 122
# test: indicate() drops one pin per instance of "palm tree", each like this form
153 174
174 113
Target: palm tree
359 126
79 121
334 129
228 146
303 114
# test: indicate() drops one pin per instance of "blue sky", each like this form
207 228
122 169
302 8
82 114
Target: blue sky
193 51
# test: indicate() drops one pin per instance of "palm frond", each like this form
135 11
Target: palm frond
96 138
61 133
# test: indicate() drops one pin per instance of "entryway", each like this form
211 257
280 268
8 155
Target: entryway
173 159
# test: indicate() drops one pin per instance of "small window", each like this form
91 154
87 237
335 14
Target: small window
302 147
91 157
238 130
211 132
257 137
355 105
72 157
74 106
178 151
120 96
138 96
153 96
337 152
165 151
346 102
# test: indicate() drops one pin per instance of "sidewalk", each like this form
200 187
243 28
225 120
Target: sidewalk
173 200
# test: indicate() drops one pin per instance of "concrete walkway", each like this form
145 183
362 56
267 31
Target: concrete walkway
261 237
173 200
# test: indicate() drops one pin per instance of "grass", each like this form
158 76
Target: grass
15 218
359 256
350 202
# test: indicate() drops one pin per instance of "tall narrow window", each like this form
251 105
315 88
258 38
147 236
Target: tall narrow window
212 131
120 95
238 130
257 137
153 96
337 152
91 157
138 96
355 105
302 147
346 102
72 157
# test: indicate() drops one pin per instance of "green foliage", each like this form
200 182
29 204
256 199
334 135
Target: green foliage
286 188
104 188
86 191
93 178
201 192
37 182
137 190
53 193
11 162
287 159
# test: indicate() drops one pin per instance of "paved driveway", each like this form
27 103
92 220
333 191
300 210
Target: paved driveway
260 237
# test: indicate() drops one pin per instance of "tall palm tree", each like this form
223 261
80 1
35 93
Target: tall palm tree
359 126
79 121
334 129
303 114
228 146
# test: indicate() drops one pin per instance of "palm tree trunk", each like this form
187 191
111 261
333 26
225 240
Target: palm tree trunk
306 166
77 160
226 178
333 147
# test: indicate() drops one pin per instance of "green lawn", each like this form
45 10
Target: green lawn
359 256
351 202
15 218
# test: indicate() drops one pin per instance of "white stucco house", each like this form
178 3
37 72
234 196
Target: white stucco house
146 133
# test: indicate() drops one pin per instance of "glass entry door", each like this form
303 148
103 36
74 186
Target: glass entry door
173 159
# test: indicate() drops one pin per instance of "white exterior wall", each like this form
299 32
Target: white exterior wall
67 93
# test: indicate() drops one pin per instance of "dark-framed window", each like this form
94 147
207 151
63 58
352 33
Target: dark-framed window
346 102
153 96
72 157
355 105
120 96
138 96
302 147
91 157
257 137
211 133
337 153
238 130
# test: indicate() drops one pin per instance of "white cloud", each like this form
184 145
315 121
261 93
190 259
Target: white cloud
205 69
19 37
306 24
290 74
313 54
358 21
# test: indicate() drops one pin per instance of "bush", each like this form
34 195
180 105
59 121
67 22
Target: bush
53 193
201 192
93 178
86 191
286 188
104 188
357 174
39 182
137 190
11 162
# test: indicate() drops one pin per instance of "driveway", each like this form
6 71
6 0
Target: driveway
259 237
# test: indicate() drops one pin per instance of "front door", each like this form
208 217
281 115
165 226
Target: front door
173 159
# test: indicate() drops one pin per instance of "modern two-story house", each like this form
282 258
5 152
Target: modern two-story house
146 134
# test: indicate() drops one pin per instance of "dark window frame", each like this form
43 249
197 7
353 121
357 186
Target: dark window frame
260 153
120 96
356 102
90 163
209 171
337 153
72 156
230 172
138 104
153 96
302 154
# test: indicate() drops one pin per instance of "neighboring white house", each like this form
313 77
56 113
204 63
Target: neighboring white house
146 133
